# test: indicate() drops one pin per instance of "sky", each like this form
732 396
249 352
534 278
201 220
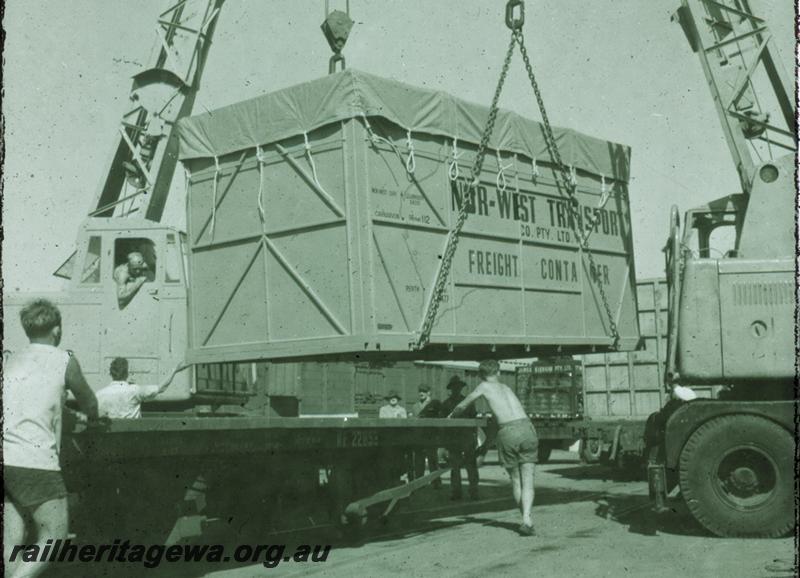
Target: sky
614 69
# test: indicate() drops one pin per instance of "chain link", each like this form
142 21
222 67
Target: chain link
568 185
452 239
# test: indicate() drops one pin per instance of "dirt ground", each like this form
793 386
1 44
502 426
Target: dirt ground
590 522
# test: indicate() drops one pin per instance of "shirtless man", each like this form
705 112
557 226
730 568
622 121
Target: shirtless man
517 444
130 276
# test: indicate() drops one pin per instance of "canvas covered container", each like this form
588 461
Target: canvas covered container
318 214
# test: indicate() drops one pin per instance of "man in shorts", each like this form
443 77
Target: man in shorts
517 444
35 380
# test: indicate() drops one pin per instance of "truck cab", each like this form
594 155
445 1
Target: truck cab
150 330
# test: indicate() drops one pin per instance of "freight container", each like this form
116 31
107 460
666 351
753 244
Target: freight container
317 217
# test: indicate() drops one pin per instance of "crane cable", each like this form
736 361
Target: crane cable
567 183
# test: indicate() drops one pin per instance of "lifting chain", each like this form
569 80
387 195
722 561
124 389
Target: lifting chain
567 184
453 237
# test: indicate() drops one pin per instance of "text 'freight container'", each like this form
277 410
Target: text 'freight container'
318 215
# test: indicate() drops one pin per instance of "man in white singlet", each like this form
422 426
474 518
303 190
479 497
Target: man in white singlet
35 380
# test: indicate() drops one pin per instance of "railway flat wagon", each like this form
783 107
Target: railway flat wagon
318 215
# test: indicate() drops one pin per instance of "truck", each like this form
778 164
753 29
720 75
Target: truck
621 390
731 297
551 393
317 240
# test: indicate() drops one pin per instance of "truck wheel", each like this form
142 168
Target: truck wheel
736 475
590 450
544 453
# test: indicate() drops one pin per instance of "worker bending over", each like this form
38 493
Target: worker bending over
517 444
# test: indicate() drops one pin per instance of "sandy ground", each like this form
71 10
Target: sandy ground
590 522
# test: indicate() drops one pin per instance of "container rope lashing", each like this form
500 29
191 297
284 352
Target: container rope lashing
573 177
452 169
500 180
312 163
375 138
605 194
187 179
411 161
260 161
214 197
370 133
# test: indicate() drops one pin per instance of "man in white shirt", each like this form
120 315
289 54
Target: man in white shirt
393 409
35 380
123 400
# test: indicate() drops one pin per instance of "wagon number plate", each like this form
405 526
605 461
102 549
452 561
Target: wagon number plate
357 439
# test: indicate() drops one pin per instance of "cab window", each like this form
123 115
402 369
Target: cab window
145 247
90 274
173 260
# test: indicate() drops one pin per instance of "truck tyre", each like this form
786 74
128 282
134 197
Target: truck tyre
737 477
590 450
544 453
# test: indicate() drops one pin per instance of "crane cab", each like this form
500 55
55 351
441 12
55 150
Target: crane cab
149 330
731 278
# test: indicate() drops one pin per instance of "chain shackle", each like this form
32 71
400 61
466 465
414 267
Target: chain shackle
337 58
515 23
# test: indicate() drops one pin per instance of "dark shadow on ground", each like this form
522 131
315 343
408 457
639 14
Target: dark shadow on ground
636 513
606 473
554 462
425 512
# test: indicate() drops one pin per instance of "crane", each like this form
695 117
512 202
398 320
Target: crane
136 178
731 313
738 56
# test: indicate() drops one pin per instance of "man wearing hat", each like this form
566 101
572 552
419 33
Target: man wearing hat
426 407
393 409
461 457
